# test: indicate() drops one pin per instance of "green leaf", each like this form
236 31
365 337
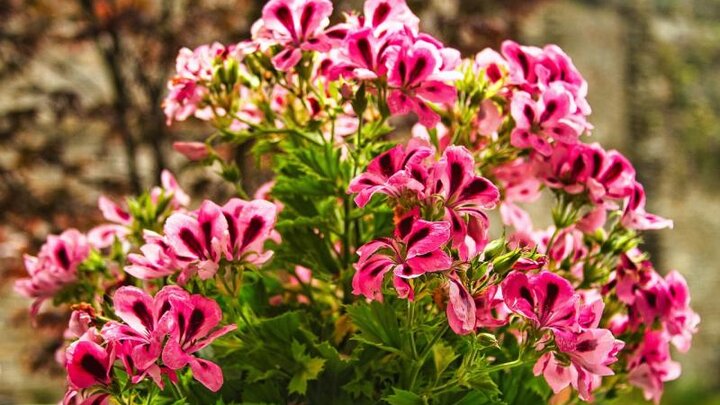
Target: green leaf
378 324
443 356
310 368
402 397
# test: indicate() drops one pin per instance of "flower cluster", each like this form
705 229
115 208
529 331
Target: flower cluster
196 242
387 279
157 336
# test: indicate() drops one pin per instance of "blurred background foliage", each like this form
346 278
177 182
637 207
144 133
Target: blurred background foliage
81 82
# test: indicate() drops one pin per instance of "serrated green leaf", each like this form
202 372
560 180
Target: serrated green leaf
443 356
402 397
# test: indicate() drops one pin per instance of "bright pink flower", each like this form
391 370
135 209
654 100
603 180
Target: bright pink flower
391 173
635 216
414 251
492 64
389 15
490 308
461 310
466 197
193 321
88 363
540 123
651 366
54 267
194 68
200 239
418 76
545 298
681 321
519 181
156 260
81 397
170 188
145 325
297 25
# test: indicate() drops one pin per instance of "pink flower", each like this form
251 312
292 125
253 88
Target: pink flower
461 310
590 352
297 25
140 337
192 150
418 76
414 251
88 363
193 321
651 366
545 298
389 15
550 119
200 239
635 216
681 321
391 173
490 308
466 196
54 267
156 260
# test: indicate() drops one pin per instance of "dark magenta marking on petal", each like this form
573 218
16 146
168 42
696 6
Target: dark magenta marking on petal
456 177
405 225
196 319
549 110
191 242
207 233
339 33
402 69
181 324
364 47
164 308
529 113
305 17
420 65
550 297
651 298
381 13
62 256
524 63
493 73
284 15
253 230
375 271
525 294
418 236
578 167
232 228
586 346
476 186
93 366
141 311
386 165
612 173
597 163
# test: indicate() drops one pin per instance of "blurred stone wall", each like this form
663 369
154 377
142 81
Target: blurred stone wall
654 88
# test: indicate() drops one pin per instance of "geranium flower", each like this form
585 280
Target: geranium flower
651 366
391 173
192 325
415 250
547 299
297 25
418 76
88 363
54 267
461 309
466 197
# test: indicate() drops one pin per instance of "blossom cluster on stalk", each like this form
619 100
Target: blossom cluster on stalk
362 217
155 337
